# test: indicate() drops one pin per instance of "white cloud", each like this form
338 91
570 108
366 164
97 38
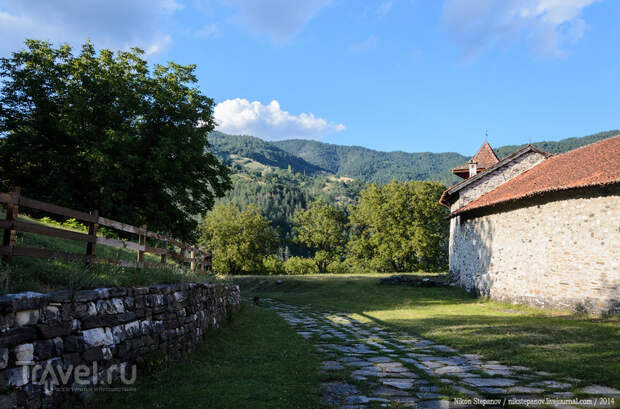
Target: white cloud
280 20
115 24
368 44
270 122
158 45
546 24
384 9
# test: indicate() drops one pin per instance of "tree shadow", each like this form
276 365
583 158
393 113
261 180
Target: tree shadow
570 346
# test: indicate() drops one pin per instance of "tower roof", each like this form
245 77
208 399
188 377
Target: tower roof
597 164
484 159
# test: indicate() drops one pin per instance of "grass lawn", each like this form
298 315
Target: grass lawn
575 346
255 361
36 274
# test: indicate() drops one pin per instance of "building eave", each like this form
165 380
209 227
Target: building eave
448 193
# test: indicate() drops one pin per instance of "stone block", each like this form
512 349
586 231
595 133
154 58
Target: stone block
132 329
23 301
18 335
55 329
86 295
24 353
118 291
27 317
117 305
62 296
98 337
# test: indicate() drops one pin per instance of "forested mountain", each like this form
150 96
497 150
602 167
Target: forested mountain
231 148
375 166
560 146
284 177
382 167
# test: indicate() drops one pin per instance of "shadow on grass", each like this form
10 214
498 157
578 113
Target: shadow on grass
567 346
570 345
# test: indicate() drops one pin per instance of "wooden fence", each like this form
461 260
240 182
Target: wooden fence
196 258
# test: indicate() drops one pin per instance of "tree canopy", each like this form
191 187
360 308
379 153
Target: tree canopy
102 131
400 227
321 228
240 240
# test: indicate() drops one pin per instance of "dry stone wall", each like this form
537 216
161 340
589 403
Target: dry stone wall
101 332
560 253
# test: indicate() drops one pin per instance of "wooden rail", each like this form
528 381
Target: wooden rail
196 257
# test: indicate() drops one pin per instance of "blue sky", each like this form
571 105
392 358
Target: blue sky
411 75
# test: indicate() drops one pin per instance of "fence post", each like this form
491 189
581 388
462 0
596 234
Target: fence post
165 255
10 234
203 259
192 263
209 262
92 232
141 242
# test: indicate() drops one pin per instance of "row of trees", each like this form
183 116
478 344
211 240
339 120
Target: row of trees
395 227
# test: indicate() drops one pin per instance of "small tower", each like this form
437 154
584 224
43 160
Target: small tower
473 167
484 159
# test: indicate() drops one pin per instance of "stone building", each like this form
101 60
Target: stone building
539 229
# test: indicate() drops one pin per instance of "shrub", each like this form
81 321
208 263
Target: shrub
300 265
339 267
273 265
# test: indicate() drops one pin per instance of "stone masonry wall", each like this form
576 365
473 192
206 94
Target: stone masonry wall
485 185
105 329
496 177
558 253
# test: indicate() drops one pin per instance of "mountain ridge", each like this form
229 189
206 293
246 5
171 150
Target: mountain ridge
312 158
381 166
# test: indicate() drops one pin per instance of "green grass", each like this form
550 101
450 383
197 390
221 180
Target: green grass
571 345
36 274
255 361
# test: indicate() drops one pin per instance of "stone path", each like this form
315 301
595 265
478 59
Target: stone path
368 366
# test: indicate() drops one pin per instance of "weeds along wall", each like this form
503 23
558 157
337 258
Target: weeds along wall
86 339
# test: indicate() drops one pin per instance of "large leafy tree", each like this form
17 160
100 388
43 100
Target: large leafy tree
400 227
321 228
240 240
102 131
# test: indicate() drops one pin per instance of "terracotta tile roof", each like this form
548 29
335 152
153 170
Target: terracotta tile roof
445 197
485 158
592 165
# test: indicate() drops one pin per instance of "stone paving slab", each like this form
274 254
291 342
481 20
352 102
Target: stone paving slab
384 367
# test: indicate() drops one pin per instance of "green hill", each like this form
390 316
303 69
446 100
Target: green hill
563 145
283 177
375 166
233 148
370 165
